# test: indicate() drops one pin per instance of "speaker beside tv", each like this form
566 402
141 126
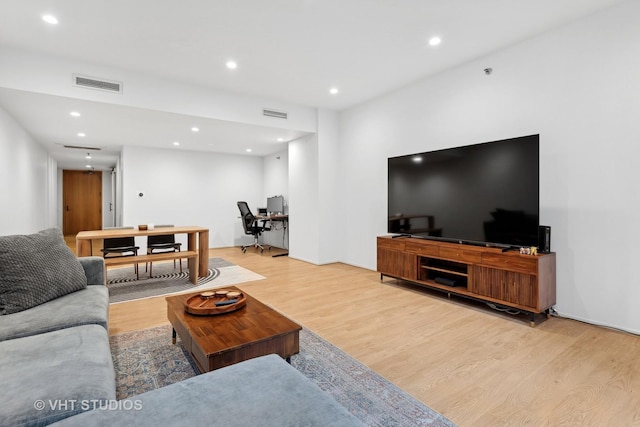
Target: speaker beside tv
544 239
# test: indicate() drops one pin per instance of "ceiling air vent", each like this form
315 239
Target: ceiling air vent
99 84
82 148
274 113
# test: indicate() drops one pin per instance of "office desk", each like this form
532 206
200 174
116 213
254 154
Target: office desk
277 217
197 246
284 219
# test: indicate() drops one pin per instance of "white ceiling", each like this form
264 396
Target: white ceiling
290 51
110 127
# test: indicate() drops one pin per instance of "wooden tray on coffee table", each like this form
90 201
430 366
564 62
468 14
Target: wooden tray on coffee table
211 303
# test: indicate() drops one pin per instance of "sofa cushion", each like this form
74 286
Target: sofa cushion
52 376
37 268
265 391
88 306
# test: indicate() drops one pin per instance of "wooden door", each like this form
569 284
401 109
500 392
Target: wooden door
81 201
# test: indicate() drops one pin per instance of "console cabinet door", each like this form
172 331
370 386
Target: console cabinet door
397 264
509 286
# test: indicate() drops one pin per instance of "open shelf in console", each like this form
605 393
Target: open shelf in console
443 272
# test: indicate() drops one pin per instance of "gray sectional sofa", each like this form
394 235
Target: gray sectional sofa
56 365
54 341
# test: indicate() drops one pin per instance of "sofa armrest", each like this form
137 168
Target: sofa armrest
94 269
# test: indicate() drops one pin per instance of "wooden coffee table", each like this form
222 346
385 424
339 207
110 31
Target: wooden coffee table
224 339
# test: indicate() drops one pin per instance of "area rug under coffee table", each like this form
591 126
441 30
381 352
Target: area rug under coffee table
145 360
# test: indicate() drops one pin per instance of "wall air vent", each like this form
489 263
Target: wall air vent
99 84
273 113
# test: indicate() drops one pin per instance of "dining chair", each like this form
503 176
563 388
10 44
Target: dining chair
121 247
162 243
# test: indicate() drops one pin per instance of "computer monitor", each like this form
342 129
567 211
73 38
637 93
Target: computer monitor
275 204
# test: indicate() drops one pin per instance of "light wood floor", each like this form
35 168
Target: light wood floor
470 363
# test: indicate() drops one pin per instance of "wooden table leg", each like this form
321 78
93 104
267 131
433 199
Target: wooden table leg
83 247
193 262
203 253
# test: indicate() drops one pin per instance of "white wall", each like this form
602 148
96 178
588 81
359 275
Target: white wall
330 202
303 199
578 88
27 175
316 208
190 188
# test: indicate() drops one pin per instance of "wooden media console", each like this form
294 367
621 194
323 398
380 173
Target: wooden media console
524 282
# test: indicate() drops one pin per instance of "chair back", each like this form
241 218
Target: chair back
161 239
247 217
119 242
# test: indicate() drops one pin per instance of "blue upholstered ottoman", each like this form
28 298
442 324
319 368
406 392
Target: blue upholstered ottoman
265 391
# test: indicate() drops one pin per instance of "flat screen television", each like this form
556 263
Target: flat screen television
485 194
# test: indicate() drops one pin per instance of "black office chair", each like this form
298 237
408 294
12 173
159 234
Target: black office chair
122 247
162 243
251 226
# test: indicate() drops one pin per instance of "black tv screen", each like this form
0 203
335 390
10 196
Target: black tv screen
479 194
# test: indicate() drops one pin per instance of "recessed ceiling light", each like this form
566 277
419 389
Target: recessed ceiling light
87 166
435 41
176 143
75 114
82 135
232 65
88 156
333 91
248 150
195 129
50 19
280 139
417 159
